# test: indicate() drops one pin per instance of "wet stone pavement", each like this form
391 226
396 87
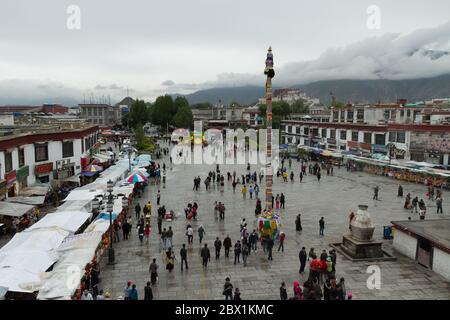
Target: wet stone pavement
332 198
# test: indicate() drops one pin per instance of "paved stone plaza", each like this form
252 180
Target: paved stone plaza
333 198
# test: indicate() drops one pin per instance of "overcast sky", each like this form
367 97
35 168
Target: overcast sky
158 46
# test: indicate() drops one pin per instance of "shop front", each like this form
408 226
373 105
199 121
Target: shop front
64 169
2 190
11 178
22 177
43 171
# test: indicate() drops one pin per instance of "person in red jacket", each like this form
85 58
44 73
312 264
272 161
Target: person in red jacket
298 295
314 269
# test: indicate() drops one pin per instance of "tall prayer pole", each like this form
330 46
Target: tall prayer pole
269 71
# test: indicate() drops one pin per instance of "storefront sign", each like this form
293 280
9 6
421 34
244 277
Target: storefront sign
10 177
23 172
43 168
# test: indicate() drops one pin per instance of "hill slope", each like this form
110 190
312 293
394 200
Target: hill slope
344 90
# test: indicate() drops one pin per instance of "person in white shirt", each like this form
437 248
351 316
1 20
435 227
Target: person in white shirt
86 295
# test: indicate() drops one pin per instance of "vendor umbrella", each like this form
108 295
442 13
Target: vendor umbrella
93 168
135 178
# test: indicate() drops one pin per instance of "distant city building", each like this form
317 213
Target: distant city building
41 155
103 115
417 132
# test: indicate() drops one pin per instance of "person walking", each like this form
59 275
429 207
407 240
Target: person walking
400 191
141 233
237 294
375 193
190 234
302 257
439 204
298 222
183 255
160 220
201 233
127 291
301 176
282 201
250 190
270 245
237 251
169 237
228 289
283 291
133 293
256 190
281 241
227 245
137 210
170 260
277 202
321 226
158 197
148 292
245 253
153 269
206 256
253 240
164 238
217 246
244 191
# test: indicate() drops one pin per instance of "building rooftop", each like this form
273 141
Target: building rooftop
436 231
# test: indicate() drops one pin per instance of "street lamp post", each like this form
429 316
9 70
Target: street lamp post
109 208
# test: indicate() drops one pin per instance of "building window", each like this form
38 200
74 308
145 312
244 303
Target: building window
332 134
360 116
391 136
401 137
306 131
21 157
89 111
8 162
349 116
288 129
343 134
380 139
324 133
297 129
354 135
402 113
41 152
82 146
408 113
367 137
67 149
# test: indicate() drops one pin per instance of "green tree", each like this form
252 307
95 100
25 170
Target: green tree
163 111
184 117
140 136
337 104
179 103
137 113
299 107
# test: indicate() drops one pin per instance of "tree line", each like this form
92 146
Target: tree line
165 111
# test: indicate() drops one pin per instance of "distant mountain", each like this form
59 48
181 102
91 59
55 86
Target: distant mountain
243 95
363 91
372 91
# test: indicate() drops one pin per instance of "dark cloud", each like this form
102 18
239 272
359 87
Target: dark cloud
168 83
